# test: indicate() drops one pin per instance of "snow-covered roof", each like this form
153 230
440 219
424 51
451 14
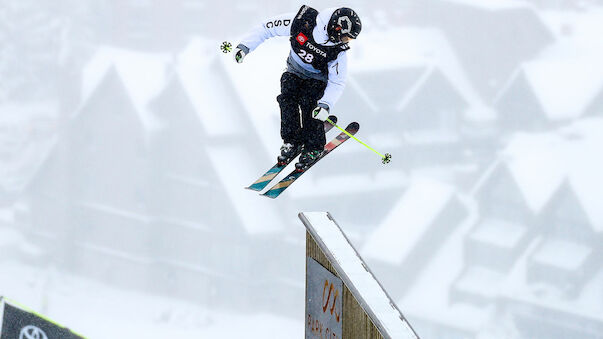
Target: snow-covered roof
518 286
429 297
258 214
500 233
143 75
480 281
569 73
408 220
417 47
491 5
565 86
537 165
340 183
257 83
413 47
562 254
199 68
540 162
25 140
357 277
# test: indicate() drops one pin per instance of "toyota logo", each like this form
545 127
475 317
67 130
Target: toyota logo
32 332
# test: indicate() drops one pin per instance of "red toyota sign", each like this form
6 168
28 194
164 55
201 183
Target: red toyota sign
301 38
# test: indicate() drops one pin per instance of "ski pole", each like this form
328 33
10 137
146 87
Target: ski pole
385 159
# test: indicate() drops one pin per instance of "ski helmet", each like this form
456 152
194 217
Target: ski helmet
343 22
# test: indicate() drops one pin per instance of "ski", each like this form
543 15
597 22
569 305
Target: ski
267 177
282 185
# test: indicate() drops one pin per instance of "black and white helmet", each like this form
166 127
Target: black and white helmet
343 22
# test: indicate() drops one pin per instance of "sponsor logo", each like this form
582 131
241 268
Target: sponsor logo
327 300
345 23
32 332
316 50
301 38
303 11
277 23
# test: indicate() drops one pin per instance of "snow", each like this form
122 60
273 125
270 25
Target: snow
257 83
198 68
429 297
414 47
408 220
68 301
9 237
568 74
360 281
310 183
482 281
565 86
259 213
562 254
499 233
143 75
26 135
417 47
586 168
491 5
540 162
538 166
117 211
586 305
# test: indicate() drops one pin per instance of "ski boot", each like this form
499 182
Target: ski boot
288 152
307 159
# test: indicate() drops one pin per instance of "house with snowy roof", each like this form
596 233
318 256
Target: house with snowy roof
26 135
400 247
505 222
488 47
545 93
555 286
90 187
140 206
402 102
152 26
568 254
203 155
550 180
414 104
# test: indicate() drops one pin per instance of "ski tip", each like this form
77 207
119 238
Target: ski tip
267 195
353 127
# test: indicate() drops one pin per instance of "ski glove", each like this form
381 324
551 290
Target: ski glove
240 52
321 112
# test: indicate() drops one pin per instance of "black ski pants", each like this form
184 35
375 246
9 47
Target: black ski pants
297 100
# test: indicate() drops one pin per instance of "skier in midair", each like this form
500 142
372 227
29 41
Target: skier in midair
315 76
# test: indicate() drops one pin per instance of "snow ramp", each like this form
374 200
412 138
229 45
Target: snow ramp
344 299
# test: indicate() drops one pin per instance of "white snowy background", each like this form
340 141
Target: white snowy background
126 138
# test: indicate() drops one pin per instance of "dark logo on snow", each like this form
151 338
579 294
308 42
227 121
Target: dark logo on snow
32 332
301 38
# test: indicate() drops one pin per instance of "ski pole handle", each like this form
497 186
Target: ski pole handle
226 47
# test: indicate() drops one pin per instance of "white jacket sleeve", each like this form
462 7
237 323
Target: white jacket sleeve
279 25
338 72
